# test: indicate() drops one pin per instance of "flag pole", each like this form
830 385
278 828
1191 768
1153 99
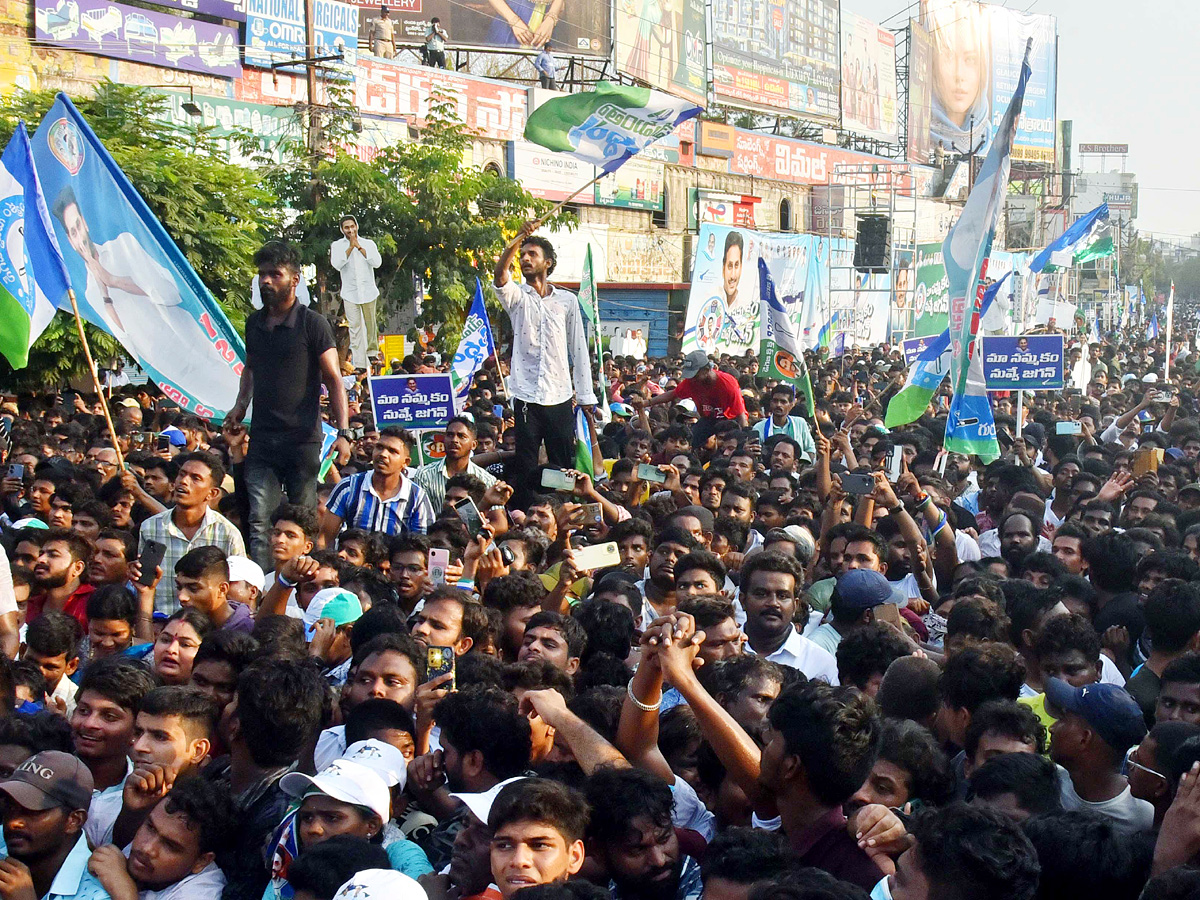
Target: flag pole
537 223
87 353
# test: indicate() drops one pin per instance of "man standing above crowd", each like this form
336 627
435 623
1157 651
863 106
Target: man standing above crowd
781 421
357 258
716 393
289 354
550 359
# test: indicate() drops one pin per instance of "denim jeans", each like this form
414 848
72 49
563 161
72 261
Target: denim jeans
275 468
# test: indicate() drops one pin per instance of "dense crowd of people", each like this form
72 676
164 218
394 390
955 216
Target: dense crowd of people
755 651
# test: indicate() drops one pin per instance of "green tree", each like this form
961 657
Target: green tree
218 212
434 216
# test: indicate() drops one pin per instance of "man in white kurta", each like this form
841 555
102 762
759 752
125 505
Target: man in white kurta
357 258
138 300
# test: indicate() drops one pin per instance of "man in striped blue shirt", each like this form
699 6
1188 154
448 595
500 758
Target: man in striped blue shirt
382 499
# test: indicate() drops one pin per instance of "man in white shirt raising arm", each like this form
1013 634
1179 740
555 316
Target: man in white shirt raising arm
550 362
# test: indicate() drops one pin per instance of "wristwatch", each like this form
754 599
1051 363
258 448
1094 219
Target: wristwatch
347 433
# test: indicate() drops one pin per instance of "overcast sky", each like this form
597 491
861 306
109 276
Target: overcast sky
1128 72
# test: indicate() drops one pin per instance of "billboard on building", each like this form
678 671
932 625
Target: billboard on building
128 32
778 55
662 42
275 32
639 184
868 78
974 55
548 175
574 28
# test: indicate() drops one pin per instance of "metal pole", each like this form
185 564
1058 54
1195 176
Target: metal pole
1020 412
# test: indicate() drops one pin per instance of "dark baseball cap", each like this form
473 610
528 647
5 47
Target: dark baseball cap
49 779
694 362
1109 710
861 589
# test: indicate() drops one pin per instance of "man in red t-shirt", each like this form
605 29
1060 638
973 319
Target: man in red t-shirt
716 394
58 576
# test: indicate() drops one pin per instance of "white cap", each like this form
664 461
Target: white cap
1150 378
242 568
380 884
480 804
349 782
688 404
388 762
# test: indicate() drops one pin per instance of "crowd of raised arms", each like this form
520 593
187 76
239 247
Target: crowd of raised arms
823 660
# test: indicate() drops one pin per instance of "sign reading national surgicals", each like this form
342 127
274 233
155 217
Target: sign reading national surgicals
1029 362
412 401
275 32
128 275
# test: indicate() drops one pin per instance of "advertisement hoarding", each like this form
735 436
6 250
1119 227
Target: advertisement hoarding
546 174
777 55
575 28
230 121
920 94
1030 362
974 61
639 184
662 42
275 32
234 10
127 32
868 78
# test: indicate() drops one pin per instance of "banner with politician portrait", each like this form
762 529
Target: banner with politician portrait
723 313
129 277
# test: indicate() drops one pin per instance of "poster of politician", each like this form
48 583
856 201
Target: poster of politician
129 277
723 314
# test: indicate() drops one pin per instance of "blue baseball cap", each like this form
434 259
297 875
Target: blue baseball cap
861 589
1109 711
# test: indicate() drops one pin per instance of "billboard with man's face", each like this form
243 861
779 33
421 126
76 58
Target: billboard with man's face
968 69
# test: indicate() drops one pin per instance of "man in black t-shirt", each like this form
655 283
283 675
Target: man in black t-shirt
289 354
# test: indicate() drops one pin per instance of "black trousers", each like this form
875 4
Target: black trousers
535 424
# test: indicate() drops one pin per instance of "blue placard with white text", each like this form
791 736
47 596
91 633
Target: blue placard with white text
412 401
1026 362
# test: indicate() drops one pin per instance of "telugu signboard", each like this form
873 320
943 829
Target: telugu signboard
663 44
1027 362
218 9
412 401
777 55
127 32
275 32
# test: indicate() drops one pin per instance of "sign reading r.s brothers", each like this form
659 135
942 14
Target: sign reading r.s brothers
412 401
1028 362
